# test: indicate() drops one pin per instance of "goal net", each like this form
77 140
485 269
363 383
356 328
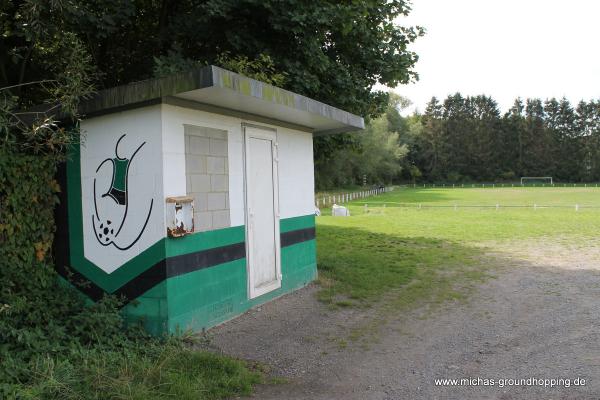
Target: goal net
536 179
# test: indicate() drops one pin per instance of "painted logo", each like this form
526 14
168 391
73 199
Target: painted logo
112 202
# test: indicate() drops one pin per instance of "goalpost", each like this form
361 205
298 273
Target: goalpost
535 179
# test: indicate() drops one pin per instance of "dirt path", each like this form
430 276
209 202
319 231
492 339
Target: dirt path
539 318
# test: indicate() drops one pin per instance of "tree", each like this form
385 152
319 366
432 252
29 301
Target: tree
432 140
329 50
587 123
377 154
513 133
465 138
537 158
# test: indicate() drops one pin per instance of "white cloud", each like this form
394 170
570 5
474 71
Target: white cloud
509 48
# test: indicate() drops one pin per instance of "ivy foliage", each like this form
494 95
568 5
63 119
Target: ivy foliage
39 315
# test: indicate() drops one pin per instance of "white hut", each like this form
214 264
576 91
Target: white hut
192 196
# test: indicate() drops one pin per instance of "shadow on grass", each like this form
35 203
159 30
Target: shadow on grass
360 268
391 274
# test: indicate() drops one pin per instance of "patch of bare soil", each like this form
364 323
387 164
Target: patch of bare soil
539 318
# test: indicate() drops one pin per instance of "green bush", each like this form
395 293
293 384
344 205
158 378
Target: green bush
39 316
53 345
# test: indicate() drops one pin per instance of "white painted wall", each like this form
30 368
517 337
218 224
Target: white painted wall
296 173
173 121
296 170
145 183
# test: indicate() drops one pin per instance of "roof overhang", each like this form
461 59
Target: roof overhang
218 90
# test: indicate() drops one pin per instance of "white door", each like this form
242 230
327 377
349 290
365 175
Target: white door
262 211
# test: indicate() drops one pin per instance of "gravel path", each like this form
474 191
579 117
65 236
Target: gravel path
538 318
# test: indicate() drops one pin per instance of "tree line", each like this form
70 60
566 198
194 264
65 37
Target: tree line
468 139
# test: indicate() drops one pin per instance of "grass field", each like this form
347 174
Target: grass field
437 252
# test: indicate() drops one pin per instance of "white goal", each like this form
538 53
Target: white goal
536 179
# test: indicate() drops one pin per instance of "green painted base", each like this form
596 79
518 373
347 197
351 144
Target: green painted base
205 298
209 296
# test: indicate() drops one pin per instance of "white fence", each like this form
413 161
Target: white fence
456 207
328 200
497 185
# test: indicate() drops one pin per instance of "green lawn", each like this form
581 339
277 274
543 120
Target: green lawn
410 254
527 196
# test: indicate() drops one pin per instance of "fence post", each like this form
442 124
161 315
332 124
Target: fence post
576 207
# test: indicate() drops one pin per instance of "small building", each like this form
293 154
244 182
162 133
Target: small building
192 196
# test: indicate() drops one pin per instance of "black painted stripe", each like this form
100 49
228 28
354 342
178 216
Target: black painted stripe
87 287
297 236
143 282
187 263
61 244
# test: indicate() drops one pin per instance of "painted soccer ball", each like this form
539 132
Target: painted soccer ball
105 231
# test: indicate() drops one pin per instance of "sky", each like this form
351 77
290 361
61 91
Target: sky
505 49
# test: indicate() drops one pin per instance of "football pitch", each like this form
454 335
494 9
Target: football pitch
415 244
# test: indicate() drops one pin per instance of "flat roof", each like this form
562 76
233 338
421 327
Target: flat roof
221 91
